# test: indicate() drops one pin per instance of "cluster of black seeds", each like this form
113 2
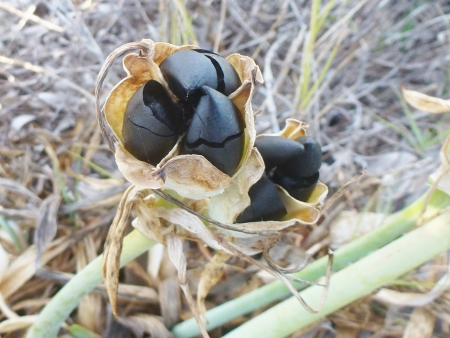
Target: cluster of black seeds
214 126
292 164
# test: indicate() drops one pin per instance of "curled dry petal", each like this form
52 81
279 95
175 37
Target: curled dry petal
190 175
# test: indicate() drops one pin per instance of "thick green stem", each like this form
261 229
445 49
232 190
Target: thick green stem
396 225
353 282
66 300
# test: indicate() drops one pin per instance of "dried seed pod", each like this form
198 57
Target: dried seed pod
191 176
276 150
216 131
152 123
305 165
266 204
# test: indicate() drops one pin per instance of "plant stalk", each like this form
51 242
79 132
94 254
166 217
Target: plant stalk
394 226
66 300
353 282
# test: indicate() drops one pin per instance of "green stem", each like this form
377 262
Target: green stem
396 225
353 282
66 300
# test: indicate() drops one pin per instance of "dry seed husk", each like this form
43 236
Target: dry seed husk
189 175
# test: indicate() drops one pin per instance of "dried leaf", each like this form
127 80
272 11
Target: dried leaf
349 225
421 324
19 121
441 178
17 187
16 324
89 311
113 246
388 296
5 310
426 103
143 323
170 301
24 267
211 275
175 250
46 224
4 262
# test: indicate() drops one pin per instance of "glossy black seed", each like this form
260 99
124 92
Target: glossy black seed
152 123
216 131
305 165
227 77
299 188
276 150
266 204
186 70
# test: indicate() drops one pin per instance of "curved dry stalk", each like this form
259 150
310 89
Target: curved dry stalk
144 49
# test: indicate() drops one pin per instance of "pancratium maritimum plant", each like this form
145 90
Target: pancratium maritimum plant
181 127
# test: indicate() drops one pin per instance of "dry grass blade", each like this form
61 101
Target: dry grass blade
175 250
211 275
17 187
23 267
16 324
32 17
46 225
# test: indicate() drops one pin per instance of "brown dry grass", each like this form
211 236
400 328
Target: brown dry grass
50 143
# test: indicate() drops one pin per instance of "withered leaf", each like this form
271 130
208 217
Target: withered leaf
210 276
113 246
143 323
46 225
426 103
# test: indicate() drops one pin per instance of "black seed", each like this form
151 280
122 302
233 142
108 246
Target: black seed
216 131
276 150
305 165
185 71
299 188
152 123
266 204
228 78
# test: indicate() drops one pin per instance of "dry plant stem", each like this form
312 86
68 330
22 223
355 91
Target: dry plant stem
398 224
66 300
355 281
